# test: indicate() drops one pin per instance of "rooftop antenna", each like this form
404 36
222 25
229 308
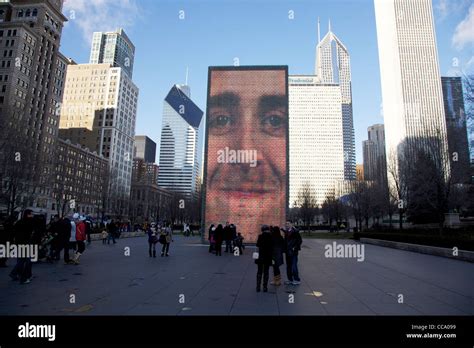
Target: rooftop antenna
329 24
187 74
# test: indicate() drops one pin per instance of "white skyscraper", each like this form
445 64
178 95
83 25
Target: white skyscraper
316 143
333 66
179 153
411 83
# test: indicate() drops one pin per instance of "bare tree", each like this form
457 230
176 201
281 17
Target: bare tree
307 205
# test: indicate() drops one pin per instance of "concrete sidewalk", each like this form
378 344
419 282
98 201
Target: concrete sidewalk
110 283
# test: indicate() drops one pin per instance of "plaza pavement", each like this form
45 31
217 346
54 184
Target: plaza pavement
109 283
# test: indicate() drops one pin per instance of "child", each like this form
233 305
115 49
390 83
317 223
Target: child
104 236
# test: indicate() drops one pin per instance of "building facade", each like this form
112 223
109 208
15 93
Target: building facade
114 48
99 111
375 161
30 34
145 172
410 78
333 66
315 136
179 153
144 149
80 182
456 128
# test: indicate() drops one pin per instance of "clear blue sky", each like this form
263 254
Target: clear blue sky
258 32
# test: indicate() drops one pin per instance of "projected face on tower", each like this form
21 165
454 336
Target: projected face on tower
247 120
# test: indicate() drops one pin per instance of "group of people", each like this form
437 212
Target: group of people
162 234
228 234
61 234
272 243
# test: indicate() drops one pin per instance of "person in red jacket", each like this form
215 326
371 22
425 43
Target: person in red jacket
81 237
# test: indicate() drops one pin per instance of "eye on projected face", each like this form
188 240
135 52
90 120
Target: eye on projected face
247 144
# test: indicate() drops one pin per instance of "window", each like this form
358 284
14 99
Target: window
35 12
28 13
20 13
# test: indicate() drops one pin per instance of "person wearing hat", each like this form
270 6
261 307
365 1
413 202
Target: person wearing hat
72 240
265 257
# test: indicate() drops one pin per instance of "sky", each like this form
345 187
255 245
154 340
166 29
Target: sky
172 35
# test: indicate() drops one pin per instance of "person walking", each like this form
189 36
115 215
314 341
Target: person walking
81 238
277 254
104 236
166 238
88 224
152 240
111 228
6 235
211 238
228 237
24 231
219 236
293 243
264 261
72 239
64 235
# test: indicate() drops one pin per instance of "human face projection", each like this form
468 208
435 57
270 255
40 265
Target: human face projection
247 127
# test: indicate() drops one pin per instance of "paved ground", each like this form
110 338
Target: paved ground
109 283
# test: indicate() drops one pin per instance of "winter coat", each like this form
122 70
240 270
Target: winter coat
265 248
278 249
219 235
23 231
64 230
81 231
293 242
227 233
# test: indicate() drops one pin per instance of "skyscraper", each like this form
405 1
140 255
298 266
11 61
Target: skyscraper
410 78
113 48
333 66
316 143
369 150
456 129
145 149
179 155
375 161
30 73
99 111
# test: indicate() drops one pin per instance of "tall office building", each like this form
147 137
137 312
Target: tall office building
316 143
333 66
369 150
113 48
179 153
410 77
99 111
30 74
375 160
456 127
145 149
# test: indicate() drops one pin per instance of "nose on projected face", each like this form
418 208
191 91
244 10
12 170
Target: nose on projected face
247 146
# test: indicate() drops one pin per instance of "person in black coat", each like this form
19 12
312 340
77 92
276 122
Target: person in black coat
211 238
228 238
6 234
277 254
219 236
265 256
293 243
24 234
